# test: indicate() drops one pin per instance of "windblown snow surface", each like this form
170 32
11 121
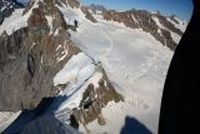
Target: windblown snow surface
135 62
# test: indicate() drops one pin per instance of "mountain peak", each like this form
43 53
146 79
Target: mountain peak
38 50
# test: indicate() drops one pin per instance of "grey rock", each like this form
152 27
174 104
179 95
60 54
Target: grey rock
88 15
143 19
29 60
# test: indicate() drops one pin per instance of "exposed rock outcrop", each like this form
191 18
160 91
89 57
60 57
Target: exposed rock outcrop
95 99
158 25
148 22
88 15
30 57
96 92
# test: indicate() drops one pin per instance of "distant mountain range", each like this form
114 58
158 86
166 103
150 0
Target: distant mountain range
166 29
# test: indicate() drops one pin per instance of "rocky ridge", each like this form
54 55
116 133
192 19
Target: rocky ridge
32 55
163 28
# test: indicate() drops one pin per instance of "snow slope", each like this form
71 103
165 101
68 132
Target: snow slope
13 23
135 63
17 20
77 71
6 118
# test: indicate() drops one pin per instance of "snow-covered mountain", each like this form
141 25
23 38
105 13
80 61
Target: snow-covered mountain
112 66
166 29
35 45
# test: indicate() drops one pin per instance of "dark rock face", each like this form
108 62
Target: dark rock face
94 100
169 25
95 97
120 17
88 15
144 20
30 57
7 7
174 19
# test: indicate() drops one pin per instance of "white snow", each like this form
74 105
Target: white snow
99 12
182 24
135 20
70 14
159 31
56 31
16 21
64 52
157 21
136 64
74 97
13 23
6 118
175 37
74 69
3 8
79 72
98 16
50 22
95 79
